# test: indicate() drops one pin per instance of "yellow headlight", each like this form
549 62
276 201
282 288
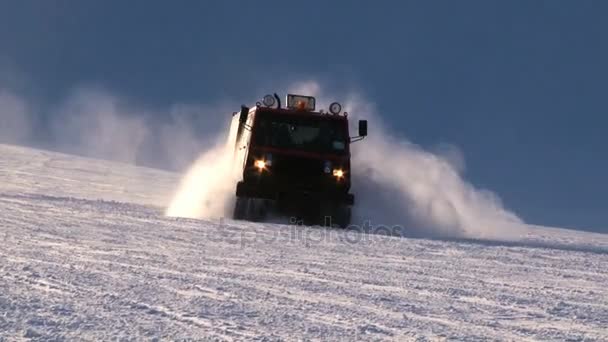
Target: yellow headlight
260 164
338 173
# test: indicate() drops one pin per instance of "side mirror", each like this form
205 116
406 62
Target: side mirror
362 128
243 115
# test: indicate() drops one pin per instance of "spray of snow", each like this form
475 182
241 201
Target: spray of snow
15 124
397 183
93 122
400 183
206 190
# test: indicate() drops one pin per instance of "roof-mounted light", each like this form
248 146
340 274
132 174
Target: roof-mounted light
300 102
335 108
268 100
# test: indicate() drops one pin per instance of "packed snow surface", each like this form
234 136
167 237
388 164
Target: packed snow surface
86 253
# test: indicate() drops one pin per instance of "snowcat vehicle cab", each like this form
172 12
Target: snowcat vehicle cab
293 160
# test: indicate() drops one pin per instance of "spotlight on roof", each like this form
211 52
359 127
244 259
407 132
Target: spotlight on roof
269 100
300 102
335 108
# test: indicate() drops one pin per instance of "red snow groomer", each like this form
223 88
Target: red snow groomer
294 160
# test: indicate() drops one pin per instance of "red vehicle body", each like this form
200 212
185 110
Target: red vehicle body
294 161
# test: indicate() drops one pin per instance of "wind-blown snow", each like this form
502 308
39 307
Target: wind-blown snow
86 253
396 183
402 183
207 189
96 123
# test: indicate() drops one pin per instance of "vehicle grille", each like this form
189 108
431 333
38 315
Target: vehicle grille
298 172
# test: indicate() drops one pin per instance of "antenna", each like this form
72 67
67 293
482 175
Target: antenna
278 100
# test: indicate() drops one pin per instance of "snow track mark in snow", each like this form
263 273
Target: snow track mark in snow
97 266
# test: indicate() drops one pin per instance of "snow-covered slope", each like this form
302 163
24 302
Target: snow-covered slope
25 170
86 253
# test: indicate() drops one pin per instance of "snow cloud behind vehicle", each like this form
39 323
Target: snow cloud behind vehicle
396 183
93 122
401 183
207 188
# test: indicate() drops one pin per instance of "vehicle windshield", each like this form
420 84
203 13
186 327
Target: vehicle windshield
308 134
